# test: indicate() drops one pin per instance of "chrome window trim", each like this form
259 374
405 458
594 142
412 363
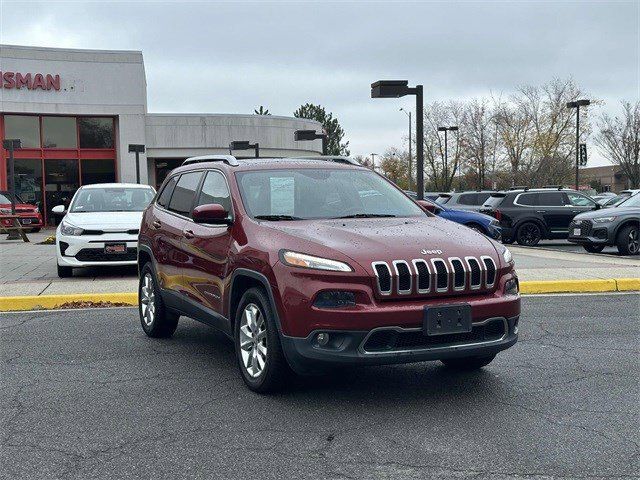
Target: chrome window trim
432 349
395 267
486 271
375 272
429 274
453 274
435 274
480 266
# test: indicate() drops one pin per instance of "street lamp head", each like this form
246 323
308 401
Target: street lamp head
136 148
12 144
442 129
240 145
389 88
300 135
578 103
453 129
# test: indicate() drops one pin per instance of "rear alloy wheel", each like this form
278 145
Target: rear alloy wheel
257 341
628 240
468 363
529 234
156 320
593 248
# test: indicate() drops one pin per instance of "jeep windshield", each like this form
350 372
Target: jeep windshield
304 194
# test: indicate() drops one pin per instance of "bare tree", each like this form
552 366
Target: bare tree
440 172
479 140
514 130
619 141
364 161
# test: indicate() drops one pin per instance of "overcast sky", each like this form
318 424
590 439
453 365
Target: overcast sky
215 57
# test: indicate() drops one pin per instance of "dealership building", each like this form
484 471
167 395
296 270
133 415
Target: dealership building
77 111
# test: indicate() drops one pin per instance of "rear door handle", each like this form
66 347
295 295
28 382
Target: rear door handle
188 234
541 211
156 224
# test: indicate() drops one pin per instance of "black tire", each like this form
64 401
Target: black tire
275 370
468 363
507 241
593 248
529 234
156 319
628 240
65 272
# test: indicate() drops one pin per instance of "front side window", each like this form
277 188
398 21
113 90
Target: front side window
214 190
111 199
184 193
165 195
322 193
578 200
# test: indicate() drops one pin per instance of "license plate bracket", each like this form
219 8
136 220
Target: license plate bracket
447 319
115 248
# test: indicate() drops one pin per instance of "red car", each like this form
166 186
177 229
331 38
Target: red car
30 216
314 263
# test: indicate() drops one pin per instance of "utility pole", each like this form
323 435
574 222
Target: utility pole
410 159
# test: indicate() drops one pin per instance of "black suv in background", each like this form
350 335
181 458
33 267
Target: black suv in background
465 200
530 215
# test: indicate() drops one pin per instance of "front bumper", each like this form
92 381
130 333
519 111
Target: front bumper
345 347
89 250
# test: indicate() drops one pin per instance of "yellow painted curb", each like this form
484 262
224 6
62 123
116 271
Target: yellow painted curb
43 302
568 286
628 284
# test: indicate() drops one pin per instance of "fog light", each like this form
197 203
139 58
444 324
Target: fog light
322 339
511 287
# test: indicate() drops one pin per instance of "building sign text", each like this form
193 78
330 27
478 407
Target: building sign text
30 81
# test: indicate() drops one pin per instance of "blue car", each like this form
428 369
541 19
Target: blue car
480 222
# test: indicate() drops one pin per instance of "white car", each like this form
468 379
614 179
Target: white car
101 226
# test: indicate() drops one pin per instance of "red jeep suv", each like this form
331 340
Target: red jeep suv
312 263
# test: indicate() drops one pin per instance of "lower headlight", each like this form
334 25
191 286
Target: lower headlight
335 299
506 255
68 229
512 287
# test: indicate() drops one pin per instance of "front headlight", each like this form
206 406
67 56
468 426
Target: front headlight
295 259
506 255
68 229
604 219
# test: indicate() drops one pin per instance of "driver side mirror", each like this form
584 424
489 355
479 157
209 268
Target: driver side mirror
211 213
58 210
429 207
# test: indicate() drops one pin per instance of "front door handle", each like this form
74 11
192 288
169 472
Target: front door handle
541 211
188 234
156 224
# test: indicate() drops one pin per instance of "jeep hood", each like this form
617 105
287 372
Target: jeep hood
384 239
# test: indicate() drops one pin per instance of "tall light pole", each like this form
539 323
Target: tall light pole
373 161
445 166
410 169
400 88
577 104
137 149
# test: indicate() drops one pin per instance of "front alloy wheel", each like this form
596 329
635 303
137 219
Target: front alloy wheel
253 340
147 300
628 240
156 319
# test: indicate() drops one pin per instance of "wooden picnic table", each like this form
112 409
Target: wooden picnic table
16 226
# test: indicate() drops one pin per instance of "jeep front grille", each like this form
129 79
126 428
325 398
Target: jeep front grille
440 275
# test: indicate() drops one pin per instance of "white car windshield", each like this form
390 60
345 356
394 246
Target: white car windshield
306 193
112 199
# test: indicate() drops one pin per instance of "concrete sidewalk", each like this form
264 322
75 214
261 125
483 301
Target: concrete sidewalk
29 269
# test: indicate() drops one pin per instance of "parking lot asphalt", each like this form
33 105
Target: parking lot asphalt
85 394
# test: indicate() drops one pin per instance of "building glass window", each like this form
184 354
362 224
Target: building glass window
28 180
96 132
23 127
61 182
97 171
59 132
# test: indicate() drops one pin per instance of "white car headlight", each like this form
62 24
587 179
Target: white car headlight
506 255
295 259
68 229
604 219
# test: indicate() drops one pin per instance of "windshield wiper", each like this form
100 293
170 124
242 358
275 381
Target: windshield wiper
368 215
275 218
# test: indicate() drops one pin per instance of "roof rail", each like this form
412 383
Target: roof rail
228 159
559 187
331 158
519 187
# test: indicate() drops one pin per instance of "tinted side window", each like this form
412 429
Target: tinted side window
482 197
165 195
578 200
214 190
468 199
184 193
528 199
551 199
493 201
